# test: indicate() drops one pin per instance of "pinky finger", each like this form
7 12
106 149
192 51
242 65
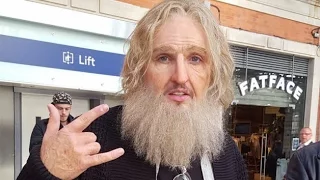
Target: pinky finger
104 157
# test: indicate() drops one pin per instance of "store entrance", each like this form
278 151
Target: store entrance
258 132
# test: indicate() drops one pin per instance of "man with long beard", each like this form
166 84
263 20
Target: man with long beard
177 81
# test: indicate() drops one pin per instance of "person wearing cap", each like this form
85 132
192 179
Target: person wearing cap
63 102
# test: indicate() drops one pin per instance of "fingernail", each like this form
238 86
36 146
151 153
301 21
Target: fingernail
104 108
118 152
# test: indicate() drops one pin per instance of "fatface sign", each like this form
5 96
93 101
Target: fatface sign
270 81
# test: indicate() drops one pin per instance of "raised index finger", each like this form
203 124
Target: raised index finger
82 122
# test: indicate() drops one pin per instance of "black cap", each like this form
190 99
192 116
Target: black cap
62 98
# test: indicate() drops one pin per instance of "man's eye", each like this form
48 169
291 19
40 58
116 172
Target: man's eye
163 59
195 59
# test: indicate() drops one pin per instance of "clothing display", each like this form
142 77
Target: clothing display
255 146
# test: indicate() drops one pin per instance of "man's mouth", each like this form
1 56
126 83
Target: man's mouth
179 95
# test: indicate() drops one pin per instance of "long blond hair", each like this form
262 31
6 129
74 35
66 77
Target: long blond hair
141 42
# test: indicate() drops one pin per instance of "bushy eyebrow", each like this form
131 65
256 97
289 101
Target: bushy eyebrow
171 49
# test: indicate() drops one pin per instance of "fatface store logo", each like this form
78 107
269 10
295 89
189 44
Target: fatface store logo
270 81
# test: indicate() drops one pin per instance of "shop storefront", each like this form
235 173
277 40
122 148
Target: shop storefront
268 110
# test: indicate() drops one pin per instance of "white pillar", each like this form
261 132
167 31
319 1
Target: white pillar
312 96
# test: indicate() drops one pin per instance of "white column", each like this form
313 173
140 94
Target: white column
312 96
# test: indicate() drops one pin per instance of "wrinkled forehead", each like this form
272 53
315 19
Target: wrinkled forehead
180 29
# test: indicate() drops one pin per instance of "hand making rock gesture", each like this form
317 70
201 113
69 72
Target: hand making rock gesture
68 152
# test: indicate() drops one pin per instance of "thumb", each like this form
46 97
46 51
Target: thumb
54 120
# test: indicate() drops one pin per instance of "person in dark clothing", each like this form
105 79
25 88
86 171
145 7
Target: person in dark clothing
63 102
177 83
305 163
272 158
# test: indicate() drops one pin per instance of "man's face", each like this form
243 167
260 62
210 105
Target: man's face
170 119
305 135
64 111
179 69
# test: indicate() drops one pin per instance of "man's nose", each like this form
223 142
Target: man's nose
64 111
180 72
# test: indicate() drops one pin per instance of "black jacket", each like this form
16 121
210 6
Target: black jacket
229 166
303 145
305 163
39 130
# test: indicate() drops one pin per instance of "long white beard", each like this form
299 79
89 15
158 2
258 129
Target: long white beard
169 134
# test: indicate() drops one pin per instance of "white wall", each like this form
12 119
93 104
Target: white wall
70 19
36 105
290 9
269 43
112 101
41 77
312 98
29 75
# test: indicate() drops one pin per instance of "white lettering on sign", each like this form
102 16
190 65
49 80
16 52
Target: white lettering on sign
280 84
254 84
263 79
68 58
297 93
243 87
273 81
87 60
